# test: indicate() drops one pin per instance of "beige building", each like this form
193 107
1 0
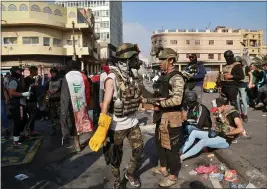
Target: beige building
264 50
209 45
41 34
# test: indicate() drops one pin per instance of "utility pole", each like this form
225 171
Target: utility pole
73 42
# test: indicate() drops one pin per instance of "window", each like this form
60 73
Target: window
35 8
173 42
188 42
219 56
56 42
69 42
197 42
10 40
46 41
23 7
30 40
211 56
12 7
187 55
211 42
229 42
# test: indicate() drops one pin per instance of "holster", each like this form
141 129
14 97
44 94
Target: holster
169 120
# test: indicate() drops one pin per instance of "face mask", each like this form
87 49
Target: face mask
135 63
229 59
125 72
191 104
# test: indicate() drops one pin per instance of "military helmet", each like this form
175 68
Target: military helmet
191 96
228 53
127 50
238 59
167 53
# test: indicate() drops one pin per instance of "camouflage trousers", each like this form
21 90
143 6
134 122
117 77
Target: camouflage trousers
136 141
54 112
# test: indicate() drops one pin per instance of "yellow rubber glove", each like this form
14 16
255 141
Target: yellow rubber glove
100 135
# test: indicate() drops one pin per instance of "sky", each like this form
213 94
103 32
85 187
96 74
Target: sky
140 19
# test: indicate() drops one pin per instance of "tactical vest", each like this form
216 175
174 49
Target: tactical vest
165 89
128 96
55 85
246 79
225 126
15 101
228 69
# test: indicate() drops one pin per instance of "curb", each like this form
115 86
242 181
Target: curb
243 167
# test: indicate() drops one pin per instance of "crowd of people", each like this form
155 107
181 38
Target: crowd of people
108 106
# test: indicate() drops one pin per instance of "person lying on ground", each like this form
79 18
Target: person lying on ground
228 127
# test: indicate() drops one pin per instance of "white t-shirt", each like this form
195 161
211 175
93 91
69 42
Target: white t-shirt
102 79
121 123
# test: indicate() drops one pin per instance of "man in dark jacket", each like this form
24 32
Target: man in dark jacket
195 82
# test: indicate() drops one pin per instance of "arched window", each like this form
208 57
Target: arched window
12 7
72 15
57 12
35 8
47 10
3 8
23 7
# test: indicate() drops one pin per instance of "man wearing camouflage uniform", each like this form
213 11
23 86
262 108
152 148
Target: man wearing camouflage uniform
118 115
168 108
54 87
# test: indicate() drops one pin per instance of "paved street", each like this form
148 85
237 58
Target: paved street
255 149
59 166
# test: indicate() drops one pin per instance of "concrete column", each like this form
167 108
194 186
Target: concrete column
87 67
221 67
180 67
82 65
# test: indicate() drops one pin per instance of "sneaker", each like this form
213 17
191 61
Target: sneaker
117 183
167 182
245 118
134 182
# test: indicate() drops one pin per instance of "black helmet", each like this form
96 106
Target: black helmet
54 69
191 96
229 53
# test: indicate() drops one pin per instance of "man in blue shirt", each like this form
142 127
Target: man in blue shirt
195 83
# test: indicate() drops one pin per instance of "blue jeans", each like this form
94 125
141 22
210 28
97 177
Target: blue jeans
243 94
190 128
4 120
217 142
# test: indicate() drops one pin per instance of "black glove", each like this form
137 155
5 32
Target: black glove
212 134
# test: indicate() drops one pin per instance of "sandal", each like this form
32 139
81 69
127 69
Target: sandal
156 170
166 182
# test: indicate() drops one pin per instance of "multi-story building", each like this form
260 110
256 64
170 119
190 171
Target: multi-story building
108 22
264 50
41 34
209 46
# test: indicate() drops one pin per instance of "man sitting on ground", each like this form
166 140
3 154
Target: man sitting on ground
228 127
197 115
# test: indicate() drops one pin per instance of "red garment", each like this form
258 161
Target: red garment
213 110
105 68
95 78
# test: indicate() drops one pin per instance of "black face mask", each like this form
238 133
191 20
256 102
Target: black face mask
191 104
16 75
135 63
194 61
229 59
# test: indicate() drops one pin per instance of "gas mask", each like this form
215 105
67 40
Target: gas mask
135 63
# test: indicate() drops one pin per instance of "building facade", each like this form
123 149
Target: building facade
41 34
209 46
108 22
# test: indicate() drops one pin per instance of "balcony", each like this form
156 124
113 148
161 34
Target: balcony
32 50
80 51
